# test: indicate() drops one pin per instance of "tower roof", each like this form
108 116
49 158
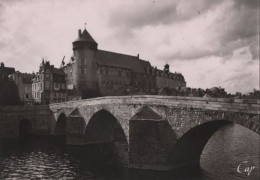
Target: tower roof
85 36
84 40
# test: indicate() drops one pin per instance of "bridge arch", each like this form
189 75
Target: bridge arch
25 127
60 127
103 127
189 147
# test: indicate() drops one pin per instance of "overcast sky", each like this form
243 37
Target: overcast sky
211 42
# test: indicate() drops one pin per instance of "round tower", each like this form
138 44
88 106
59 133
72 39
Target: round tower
85 66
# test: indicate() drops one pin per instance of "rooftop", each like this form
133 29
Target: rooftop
85 36
107 58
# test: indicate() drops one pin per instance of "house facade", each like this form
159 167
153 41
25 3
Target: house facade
23 82
49 85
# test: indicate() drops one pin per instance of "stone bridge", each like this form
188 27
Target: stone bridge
156 132
161 132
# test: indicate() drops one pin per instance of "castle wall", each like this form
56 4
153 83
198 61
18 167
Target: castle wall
113 80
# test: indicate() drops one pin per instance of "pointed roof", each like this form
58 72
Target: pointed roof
85 36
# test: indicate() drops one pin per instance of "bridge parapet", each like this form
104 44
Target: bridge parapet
223 104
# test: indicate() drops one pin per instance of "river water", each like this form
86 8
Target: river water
41 158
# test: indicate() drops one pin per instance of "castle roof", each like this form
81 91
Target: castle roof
85 36
107 58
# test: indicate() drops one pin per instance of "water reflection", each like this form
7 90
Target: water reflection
46 159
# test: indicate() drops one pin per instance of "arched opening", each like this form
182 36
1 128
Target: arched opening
25 128
60 128
103 127
187 150
105 134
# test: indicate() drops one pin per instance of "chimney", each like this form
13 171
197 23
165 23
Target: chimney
79 33
138 56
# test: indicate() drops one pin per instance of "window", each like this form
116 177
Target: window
47 77
119 73
82 61
106 72
82 70
47 85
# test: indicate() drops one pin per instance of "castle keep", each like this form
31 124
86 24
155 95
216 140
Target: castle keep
93 72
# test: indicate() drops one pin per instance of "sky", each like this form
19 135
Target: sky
212 43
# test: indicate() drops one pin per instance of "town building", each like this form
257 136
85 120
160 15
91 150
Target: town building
49 85
8 90
93 72
23 82
5 72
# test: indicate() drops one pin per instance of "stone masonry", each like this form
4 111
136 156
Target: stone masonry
160 132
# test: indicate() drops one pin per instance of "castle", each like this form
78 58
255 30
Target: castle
92 72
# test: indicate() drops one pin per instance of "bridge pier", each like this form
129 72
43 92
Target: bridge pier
75 130
151 141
